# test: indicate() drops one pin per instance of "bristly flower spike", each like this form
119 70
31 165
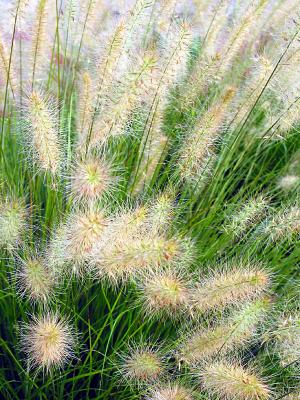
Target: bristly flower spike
163 292
171 391
13 214
142 364
71 245
230 381
285 225
121 255
229 334
231 286
91 179
251 213
199 148
289 182
42 132
285 339
49 342
34 279
38 38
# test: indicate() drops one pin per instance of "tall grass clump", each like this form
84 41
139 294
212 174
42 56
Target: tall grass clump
149 199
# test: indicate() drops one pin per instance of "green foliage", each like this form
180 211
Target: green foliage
132 95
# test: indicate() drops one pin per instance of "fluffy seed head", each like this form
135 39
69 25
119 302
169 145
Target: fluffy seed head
39 39
179 41
164 292
230 334
289 182
120 106
91 179
249 214
85 102
48 342
294 395
233 382
284 225
200 144
248 96
35 280
151 154
239 35
172 391
121 257
161 212
143 364
6 70
237 284
74 240
286 339
129 246
42 132
12 222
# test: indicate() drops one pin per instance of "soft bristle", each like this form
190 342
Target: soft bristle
91 179
233 382
231 286
171 391
42 132
13 215
283 226
35 280
228 335
48 342
201 142
142 365
72 244
163 292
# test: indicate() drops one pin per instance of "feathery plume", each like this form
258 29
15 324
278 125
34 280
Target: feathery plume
231 334
230 286
34 279
293 395
201 142
90 179
162 211
42 132
219 21
39 38
152 155
240 34
233 382
251 213
129 246
112 119
6 71
164 16
137 24
171 69
48 342
289 182
12 222
170 391
142 364
119 257
290 119
85 18
85 101
94 93
71 246
286 339
283 225
253 88
163 293
174 65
